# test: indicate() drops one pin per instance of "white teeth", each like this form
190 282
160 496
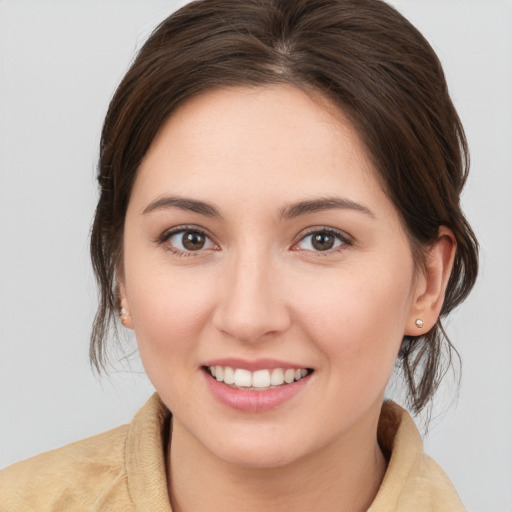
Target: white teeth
261 379
243 378
289 376
277 377
229 375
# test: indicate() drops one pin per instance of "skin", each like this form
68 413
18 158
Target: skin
259 289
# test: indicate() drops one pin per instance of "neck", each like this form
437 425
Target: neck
341 476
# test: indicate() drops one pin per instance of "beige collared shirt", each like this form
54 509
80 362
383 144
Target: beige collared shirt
124 470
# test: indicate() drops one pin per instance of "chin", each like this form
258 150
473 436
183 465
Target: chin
259 451
267 458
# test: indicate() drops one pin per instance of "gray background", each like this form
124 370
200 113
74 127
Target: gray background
60 61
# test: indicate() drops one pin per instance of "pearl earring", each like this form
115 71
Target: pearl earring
419 323
124 316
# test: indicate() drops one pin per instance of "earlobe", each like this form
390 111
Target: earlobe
431 286
124 312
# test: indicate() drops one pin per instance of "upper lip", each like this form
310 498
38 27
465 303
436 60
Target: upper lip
258 364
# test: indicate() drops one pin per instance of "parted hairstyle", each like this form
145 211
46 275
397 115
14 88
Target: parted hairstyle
363 56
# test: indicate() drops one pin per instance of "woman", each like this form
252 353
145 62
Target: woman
278 222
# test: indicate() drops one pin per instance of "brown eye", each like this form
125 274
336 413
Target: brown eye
322 241
193 241
189 240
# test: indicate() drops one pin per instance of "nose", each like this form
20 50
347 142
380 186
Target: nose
251 305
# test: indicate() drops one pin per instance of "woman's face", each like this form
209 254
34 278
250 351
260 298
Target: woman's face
257 239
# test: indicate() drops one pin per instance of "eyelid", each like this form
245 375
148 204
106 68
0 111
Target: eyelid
344 237
167 234
181 227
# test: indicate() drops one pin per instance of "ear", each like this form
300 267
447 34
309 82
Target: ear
126 318
431 284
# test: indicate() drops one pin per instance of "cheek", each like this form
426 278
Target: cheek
169 311
357 319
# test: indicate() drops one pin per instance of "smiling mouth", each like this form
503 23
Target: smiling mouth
259 380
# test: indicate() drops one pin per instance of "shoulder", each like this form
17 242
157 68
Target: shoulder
120 470
75 477
413 481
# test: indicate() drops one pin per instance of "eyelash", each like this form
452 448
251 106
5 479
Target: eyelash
342 237
167 235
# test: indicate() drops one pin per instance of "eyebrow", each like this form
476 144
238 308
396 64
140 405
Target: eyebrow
192 205
317 205
288 212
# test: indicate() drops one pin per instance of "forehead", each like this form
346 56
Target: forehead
272 141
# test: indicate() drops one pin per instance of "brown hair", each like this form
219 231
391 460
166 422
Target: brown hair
362 55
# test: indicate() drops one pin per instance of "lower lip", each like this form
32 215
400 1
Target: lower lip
254 401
